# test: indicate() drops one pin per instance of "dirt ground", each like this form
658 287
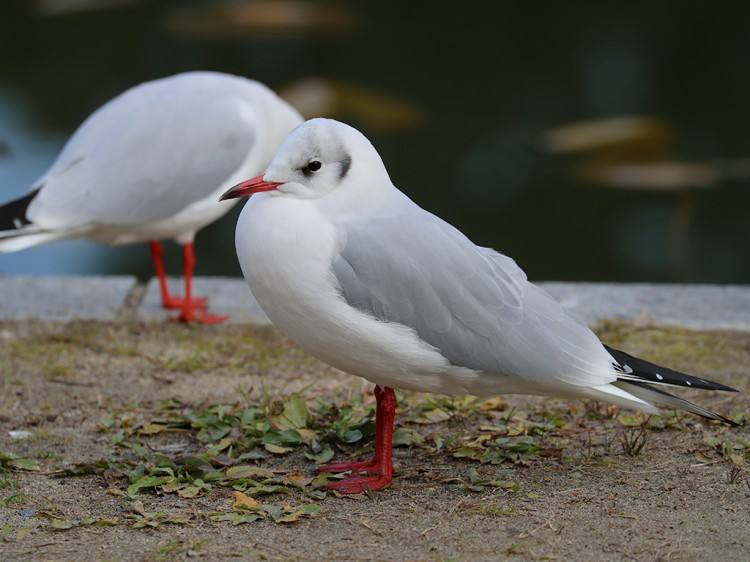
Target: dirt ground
572 493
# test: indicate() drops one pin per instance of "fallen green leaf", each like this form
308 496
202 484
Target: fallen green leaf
277 449
405 437
293 416
323 456
247 471
148 482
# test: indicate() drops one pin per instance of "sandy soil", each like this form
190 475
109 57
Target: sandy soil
686 496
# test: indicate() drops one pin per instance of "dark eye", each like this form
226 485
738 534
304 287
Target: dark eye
312 166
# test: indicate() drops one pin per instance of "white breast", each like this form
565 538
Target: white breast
285 248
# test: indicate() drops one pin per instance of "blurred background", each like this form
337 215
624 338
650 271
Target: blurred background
589 141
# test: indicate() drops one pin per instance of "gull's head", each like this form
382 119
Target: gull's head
317 158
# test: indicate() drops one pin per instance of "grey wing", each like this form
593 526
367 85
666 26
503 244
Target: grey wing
143 157
472 304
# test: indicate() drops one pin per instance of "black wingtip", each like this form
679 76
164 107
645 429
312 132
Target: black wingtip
731 422
638 370
13 213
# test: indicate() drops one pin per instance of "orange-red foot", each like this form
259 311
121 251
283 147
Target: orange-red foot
173 303
357 484
376 473
199 316
337 467
366 476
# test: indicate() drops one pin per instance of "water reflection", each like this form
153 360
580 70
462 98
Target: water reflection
471 87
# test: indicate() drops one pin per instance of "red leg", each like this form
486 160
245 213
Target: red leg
378 472
364 466
193 309
168 301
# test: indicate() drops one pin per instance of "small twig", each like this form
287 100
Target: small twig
43 545
546 523
70 383
668 467
633 442
286 553
366 526
706 463
427 530
42 473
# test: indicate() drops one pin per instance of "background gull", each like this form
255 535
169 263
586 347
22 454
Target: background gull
149 165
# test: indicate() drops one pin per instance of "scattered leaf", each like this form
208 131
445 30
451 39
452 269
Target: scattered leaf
259 489
629 420
350 436
432 415
22 532
189 491
149 482
247 471
293 416
323 456
237 518
63 524
405 437
244 502
289 514
277 449
299 481
9 461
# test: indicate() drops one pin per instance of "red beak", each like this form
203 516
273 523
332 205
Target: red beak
255 185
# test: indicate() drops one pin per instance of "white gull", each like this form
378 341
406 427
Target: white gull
361 277
150 165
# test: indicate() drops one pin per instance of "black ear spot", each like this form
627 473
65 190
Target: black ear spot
346 163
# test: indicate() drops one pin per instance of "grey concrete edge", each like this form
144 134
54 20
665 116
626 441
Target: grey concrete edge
62 299
713 307
112 298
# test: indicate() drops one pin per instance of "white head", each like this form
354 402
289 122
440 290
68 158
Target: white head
317 158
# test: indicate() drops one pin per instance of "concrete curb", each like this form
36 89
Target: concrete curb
708 307
63 299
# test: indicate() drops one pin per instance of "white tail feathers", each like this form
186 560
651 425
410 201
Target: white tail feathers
615 393
15 240
657 396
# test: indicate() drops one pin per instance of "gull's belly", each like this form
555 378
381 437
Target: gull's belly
286 253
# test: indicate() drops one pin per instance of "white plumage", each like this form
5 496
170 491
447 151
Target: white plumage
151 163
360 276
